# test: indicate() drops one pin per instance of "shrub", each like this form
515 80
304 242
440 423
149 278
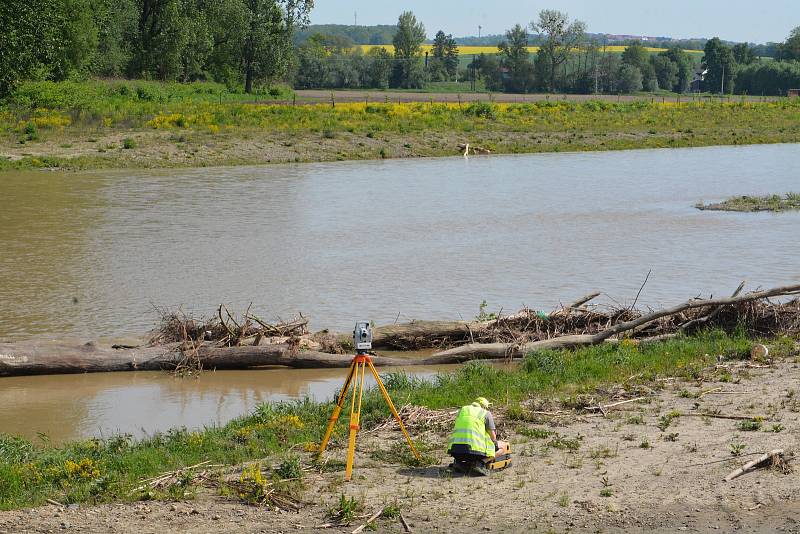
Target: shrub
749 426
128 143
485 110
290 468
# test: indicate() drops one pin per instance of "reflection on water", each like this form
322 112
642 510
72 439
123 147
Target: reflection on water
75 406
422 238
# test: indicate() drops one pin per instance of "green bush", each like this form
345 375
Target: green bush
481 109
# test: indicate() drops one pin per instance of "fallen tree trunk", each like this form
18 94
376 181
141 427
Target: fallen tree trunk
425 334
32 358
35 358
26 359
507 350
418 333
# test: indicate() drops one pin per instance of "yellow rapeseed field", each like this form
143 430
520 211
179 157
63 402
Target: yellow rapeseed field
469 50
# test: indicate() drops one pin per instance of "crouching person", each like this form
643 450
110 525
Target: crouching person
473 442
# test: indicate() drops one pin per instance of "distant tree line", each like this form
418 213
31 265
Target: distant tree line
246 42
355 35
328 61
569 62
738 69
232 41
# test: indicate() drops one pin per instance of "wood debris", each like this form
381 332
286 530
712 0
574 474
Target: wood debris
775 458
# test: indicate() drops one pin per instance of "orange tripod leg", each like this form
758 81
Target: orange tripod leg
355 418
337 410
393 410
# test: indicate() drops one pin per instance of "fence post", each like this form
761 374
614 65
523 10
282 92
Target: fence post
333 102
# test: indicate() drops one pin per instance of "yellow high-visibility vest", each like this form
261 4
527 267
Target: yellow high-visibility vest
470 430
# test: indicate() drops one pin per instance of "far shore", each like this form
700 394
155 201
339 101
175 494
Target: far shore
210 134
160 150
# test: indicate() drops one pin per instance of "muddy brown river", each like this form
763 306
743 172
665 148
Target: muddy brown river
88 255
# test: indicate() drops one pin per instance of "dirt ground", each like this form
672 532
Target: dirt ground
164 149
592 473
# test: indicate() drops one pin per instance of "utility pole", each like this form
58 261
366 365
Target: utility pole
723 79
355 18
479 30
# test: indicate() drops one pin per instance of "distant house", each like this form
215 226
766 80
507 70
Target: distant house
794 93
699 80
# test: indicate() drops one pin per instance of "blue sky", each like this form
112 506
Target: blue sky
735 20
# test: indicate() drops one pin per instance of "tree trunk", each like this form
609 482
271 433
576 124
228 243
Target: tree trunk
506 350
34 358
248 78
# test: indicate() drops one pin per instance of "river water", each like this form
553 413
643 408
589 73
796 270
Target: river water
90 255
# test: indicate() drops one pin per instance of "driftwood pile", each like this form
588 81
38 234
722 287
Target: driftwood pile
186 344
223 329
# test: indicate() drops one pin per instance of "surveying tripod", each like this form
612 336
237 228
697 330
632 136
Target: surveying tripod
357 371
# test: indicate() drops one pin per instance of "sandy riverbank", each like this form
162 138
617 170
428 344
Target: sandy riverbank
623 472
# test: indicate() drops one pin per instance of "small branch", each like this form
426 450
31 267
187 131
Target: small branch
405 524
603 408
372 518
722 416
708 392
646 278
775 455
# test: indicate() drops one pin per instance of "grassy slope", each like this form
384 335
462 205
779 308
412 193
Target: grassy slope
77 126
101 471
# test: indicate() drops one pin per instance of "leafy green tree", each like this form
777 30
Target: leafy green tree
721 65
635 55
313 63
487 68
265 50
115 21
743 53
608 68
791 48
685 68
408 51
228 26
649 78
451 57
666 71
445 57
154 38
638 57
768 78
514 51
380 68
559 38
437 71
629 79
39 40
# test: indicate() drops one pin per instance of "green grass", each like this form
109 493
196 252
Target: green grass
107 470
146 96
